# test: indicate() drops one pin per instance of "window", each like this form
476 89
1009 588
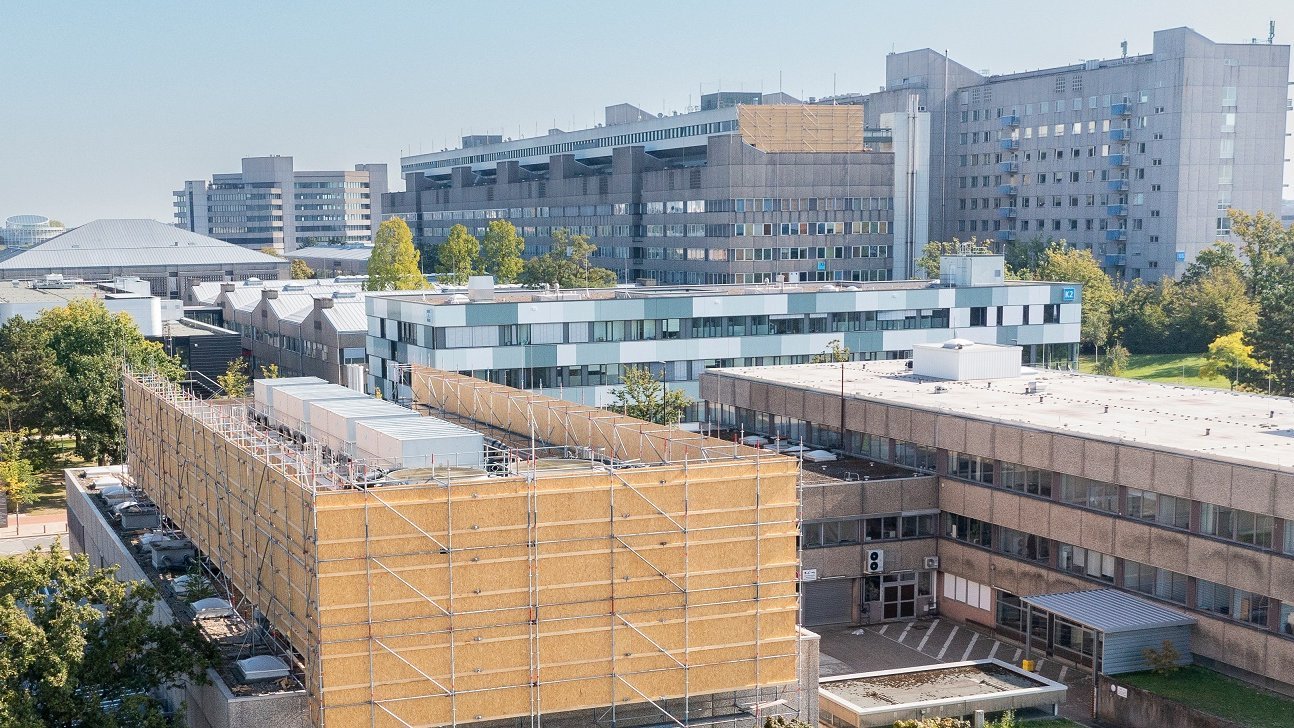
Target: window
1161 583
408 332
1089 493
1025 479
829 533
921 525
1165 510
970 467
1086 562
968 530
1023 545
881 528
979 316
1250 607
1051 313
1212 597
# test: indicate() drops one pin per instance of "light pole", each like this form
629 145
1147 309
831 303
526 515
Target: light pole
664 390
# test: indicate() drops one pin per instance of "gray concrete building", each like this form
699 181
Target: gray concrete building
24 231
271 204
1136 158
742 191
1046 483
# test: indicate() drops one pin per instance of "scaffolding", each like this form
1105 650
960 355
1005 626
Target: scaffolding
653 581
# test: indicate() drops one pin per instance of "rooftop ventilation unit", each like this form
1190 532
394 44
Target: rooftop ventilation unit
213 607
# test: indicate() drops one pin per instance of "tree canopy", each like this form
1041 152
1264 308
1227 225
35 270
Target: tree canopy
501 252
300 270
1063 263
646 397
394 263
78 648
567 264
459 257
235 380
1231 358
936 249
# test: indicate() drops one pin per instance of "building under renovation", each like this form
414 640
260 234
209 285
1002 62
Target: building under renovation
505 556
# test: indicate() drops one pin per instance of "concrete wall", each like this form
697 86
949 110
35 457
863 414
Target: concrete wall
1142 709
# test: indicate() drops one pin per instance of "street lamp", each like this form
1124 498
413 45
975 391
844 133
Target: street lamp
664 390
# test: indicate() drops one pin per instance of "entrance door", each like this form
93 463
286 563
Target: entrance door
899 595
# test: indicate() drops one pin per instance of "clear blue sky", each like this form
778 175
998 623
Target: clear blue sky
108 106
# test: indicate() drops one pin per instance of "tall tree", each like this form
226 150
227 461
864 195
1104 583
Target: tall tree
459 256
17 474
644 396
1219 256
300 270
27 368
394 263
567 264
1268 248
1231 358
78 647
1062 263
1212 304
501 250
235 380
89 347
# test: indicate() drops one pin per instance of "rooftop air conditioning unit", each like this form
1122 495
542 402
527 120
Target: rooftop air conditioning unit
930 562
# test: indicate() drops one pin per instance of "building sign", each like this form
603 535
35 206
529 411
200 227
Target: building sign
1068 294
809 575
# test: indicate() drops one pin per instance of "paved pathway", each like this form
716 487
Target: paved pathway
26 531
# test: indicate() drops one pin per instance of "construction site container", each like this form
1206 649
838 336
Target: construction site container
262 388
424 443
332 421
289 403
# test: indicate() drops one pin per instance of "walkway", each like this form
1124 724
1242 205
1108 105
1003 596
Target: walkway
30 531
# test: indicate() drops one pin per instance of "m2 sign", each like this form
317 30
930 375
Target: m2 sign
1068 294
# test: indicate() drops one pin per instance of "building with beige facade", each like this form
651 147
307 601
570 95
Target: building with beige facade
1045 482
555 560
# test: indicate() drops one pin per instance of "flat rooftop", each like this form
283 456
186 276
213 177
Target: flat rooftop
918 685
25 293
631 292
1251 429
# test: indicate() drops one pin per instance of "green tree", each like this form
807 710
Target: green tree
26 369
235 380
1210 305
1115 362
78 648
394 263
269 371
567 264
644 396
1024 257
1231 358
935 249
1140 319
459 257
1100 297
89 347
501 250
932 723
1268 249
300 270
271 250
834 353
1219 256
17 474
782 721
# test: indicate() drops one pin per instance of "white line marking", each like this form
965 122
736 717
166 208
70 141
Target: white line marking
929 632
971 646
1063 670
949 641
1037 666
1018 652
905 632
993 651
884 627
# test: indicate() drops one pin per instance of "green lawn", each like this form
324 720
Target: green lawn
1165 368
56 455
1214 693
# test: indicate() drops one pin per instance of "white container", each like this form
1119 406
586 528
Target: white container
289 403
261 389
424 443
332 421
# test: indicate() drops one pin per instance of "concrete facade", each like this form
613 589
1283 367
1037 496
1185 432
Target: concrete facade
270 204
1135 158
730 194
1033 503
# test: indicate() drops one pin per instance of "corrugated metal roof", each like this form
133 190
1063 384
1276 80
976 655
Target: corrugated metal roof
323 252
347 315
133 243
1109 610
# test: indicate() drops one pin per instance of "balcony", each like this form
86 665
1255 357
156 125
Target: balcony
1120 135
1008 190
1009 167
1114 260
1116 210
1118 185
1010 145
1119 160
1007 212
1009 121
1116 235
1122 109
1008 236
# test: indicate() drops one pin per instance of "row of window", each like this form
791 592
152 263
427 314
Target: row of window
767 229
672 207
1254 529
824 534
1237 604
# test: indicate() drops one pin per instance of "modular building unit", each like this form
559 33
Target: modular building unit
426 443
262 389
288 404
332 421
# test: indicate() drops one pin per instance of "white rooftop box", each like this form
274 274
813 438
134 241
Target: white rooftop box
962 359
972 270
423 443
261 388
332 421
262 667
289 403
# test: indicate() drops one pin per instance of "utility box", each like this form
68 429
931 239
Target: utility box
972 270
332 422
424 443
